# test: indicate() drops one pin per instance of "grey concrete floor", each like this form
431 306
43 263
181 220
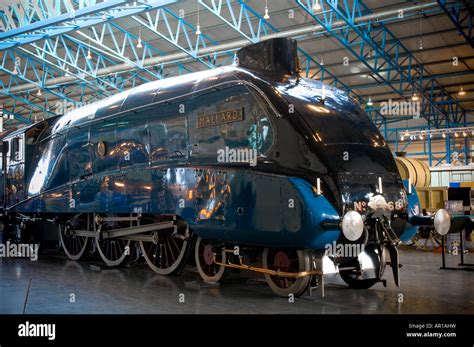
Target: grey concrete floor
48 285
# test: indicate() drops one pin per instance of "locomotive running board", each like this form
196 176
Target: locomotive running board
242 266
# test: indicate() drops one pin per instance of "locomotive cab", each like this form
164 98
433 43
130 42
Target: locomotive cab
20 154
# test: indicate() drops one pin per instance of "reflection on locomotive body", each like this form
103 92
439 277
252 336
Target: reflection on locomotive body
141 169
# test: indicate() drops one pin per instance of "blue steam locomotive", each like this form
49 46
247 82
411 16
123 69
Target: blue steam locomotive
248 166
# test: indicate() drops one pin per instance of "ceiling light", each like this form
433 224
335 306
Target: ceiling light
444 135
317 6
456 134
39 92
464 134
461 92
139 44
421 44
369 102
89 56
266 16
414 97
198 29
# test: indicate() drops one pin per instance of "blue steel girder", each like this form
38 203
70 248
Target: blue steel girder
461 20
425 79
29 104
17 107
245 21
46 18
19 117
373 37
71 60
25 101
18 15
251 25
22 67
175 30
122 47
65 54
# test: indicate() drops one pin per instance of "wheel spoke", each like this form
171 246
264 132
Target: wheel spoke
287 261
209 272
165 257
112 251
74 246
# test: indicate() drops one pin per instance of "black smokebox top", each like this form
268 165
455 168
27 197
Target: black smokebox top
274 56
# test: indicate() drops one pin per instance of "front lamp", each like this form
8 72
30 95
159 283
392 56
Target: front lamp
352 225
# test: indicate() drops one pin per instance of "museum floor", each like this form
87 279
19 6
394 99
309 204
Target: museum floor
50 284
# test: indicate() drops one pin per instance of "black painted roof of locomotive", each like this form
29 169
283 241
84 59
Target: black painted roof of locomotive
162 90
151 92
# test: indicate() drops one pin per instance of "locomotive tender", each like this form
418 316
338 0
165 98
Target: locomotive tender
248 166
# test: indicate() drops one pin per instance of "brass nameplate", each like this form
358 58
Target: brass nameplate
218 118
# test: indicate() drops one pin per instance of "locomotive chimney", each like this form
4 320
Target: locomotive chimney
275 56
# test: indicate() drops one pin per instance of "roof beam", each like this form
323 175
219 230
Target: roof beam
41 19
181 35
372 37
462 21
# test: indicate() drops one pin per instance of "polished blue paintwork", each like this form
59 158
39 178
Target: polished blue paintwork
413 210
317 211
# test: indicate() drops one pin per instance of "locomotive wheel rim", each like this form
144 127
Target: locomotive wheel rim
298 260
158 255
74 246
112 251
209 272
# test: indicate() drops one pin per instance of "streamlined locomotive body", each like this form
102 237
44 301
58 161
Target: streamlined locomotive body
240 165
